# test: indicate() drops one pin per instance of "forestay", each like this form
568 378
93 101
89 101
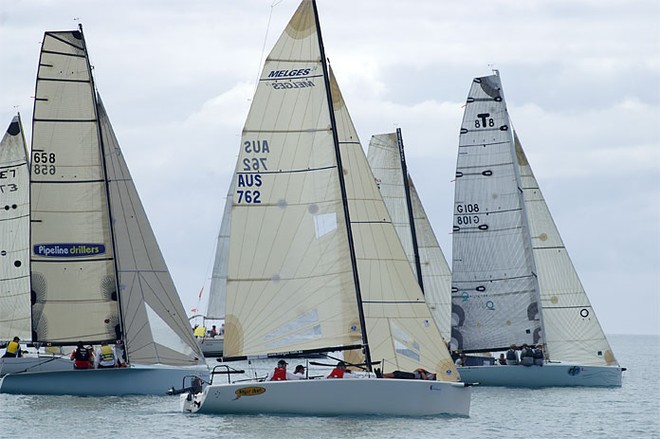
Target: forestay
14 235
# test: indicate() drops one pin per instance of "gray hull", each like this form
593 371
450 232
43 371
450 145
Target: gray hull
100 382
549 375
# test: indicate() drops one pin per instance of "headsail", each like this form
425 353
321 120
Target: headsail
14 234
571 331
385 159
218 289
292 282
155 324
74 295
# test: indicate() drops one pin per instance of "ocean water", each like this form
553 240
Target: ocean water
632 411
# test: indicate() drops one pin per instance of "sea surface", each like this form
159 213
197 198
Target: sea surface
632 411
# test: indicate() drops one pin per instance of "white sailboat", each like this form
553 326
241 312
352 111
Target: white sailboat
215 310
15 256
97 272
315 264
512 279
388 162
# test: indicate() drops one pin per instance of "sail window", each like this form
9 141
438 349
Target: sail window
162 333
325 223
404 344
304 327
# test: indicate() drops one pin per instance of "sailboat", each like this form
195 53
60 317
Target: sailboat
315 264
215 311
15 255
388 162
512 279
97 274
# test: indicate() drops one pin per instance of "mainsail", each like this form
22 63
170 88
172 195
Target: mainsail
314 261
512 279
98 274
14 233
386 158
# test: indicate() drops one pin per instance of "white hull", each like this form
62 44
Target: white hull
140 380
369 396
35 363
212 347
549 375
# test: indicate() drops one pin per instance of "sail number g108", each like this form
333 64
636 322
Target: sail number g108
464 211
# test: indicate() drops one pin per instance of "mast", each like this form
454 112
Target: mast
342 184
120 332
411 219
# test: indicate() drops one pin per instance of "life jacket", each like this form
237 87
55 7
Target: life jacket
82 354
527 352
337 373
107 356
511 355
12 348
279 374
538 353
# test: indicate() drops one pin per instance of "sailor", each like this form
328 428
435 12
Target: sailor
339 371
538 355
281 374
83 357
121 355
526 355
106 357
13 349
512 356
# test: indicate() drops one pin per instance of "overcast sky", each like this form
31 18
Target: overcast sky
581 79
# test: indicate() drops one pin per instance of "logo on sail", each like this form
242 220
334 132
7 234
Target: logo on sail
68 250
249 391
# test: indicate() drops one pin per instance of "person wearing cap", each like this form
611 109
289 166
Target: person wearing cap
339 371
281 374
300 370
13 349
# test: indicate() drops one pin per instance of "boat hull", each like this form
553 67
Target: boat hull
212 347
139 380
322 397
548 375
34 363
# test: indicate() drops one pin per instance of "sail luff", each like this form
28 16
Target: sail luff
119 330
342 185
411 216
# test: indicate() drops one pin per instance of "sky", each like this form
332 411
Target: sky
581 79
